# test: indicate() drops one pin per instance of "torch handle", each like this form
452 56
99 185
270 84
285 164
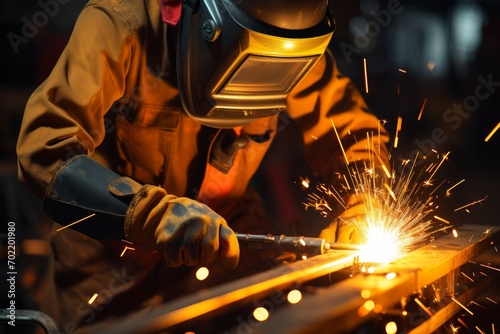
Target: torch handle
299 245
294 244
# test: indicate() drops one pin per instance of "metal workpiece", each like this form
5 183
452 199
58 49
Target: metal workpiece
223 298
350 300
341 308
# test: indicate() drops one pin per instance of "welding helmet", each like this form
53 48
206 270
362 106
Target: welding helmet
237 60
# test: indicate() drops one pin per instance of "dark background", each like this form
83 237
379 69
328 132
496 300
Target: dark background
443 46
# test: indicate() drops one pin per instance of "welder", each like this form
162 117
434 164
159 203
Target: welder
144 137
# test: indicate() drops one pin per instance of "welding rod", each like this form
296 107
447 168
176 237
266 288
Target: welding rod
295 244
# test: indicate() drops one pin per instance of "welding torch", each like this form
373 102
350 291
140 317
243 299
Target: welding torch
294 244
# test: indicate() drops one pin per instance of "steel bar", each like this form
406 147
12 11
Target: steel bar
339 308
222 297
444 314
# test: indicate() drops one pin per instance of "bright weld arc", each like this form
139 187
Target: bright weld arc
397 217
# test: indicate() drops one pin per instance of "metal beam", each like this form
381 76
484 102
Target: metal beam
222 297
339 308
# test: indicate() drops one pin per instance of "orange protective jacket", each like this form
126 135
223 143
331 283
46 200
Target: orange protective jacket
113 95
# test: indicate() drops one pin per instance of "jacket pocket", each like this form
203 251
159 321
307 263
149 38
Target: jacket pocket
145 145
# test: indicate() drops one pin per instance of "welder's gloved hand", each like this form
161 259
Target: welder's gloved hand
348 227
187 232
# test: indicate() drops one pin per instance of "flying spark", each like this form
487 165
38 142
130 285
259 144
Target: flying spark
489 267
341 146
454 329
463 324
448 191
471 204
442 219
396 207
462 306
476 303
492 132
305 182
422 109
465 275
398 128
426 310
76 222
92 299
125 249
366 75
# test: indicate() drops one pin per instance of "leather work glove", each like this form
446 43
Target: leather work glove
187 232
348 227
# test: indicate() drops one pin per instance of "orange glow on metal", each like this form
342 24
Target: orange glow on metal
240 293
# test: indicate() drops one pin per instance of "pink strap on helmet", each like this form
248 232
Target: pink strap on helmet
171 11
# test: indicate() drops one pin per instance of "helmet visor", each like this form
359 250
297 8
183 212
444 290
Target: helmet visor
248 71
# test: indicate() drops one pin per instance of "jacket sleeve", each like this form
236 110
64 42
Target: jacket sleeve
65 114
326 98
